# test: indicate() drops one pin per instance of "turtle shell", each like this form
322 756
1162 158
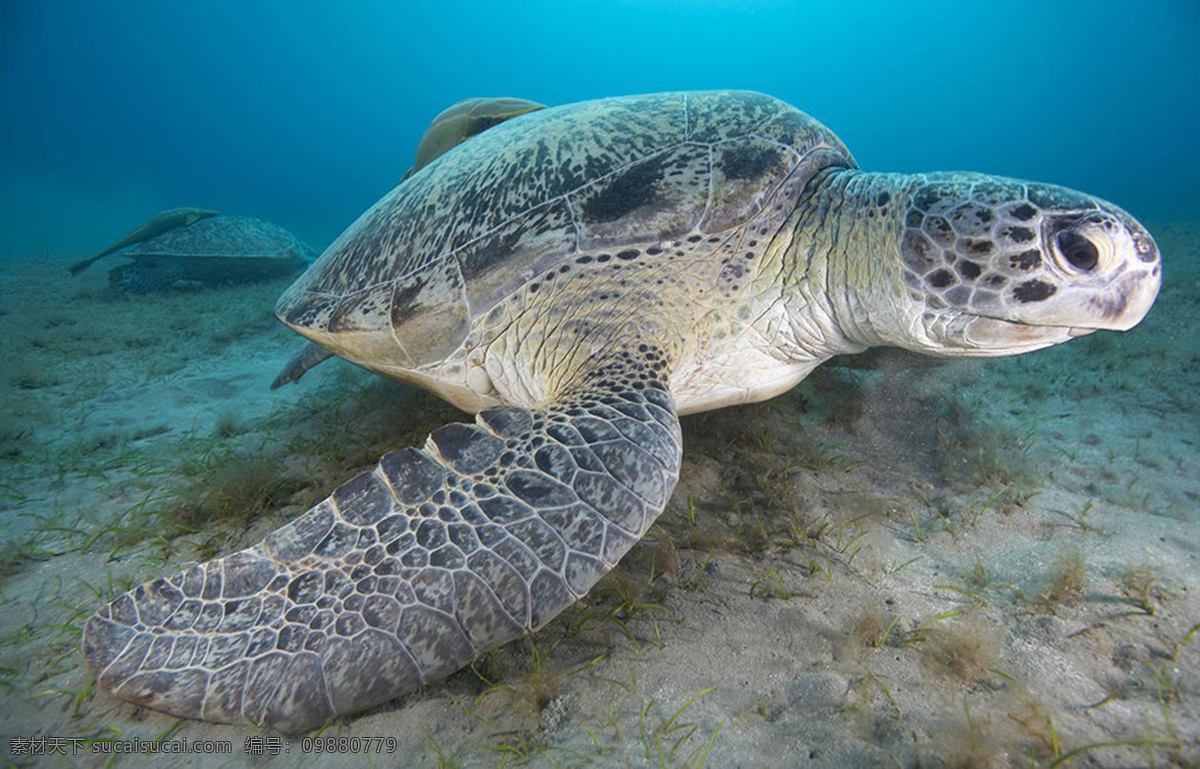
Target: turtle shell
226 237
402 286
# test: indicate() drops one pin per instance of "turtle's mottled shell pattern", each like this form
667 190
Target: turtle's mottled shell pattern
476 224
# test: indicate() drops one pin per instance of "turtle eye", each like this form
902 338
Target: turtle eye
1080 252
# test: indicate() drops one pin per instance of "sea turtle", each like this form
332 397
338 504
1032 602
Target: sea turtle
580 280
450 128
164 222
214 251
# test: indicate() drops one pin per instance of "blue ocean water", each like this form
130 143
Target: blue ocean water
305 112
1045 504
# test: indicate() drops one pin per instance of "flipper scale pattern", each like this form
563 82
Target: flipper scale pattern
407 572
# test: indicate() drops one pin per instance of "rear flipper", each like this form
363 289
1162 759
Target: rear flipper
408 572
300 363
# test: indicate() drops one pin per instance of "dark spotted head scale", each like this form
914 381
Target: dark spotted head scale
1000 263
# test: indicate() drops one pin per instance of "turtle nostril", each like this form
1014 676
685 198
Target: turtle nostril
1078 250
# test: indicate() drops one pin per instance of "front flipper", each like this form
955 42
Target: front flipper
410 571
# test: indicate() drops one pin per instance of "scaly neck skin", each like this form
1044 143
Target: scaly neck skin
843 283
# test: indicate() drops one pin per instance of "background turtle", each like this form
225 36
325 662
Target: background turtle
164 222
580 280
215 251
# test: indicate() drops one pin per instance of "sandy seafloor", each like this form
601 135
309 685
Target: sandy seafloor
977 563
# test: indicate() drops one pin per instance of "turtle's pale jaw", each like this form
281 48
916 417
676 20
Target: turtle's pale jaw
974 336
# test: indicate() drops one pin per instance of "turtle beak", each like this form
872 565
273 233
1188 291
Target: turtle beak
1128 300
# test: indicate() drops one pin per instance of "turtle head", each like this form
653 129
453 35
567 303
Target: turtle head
994 266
